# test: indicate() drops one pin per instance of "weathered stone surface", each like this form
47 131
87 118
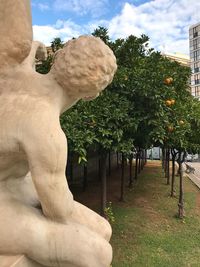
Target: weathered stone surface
17 261
84 65
39 217
15 31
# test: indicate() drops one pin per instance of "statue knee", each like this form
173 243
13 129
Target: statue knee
103 228
107 230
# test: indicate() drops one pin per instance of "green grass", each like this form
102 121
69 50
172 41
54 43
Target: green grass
147 233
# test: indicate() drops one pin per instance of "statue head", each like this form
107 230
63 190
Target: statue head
84 67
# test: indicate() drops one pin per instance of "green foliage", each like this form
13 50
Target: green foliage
56 44
109 213
77 124
102 33
45 66
112 120
132 111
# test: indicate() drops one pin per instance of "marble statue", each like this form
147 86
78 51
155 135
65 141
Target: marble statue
38 216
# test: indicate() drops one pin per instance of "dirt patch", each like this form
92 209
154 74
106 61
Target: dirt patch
92 196
133 198
152 214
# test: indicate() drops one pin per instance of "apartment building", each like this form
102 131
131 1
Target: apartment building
194 37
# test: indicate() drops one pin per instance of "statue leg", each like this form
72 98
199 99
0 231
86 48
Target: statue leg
83 215
25 191
24 230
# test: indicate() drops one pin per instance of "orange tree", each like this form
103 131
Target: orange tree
163 105
102 124
184 138
142 106
176 127
131 55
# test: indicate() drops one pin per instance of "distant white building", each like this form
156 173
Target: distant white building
154 153
194 36
183 59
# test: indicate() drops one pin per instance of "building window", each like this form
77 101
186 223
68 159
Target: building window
196 55
197 79
195 32
195 46
196 67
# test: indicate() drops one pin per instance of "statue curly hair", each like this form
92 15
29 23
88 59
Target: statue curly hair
84 67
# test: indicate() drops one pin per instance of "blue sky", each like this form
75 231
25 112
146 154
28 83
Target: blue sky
166 22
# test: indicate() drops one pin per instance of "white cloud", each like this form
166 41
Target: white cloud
63 29
166 22
82 7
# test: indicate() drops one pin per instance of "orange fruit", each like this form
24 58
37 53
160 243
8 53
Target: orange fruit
168 103
168 80
170 129
172 101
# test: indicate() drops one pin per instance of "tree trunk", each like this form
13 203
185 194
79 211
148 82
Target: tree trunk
136 166
165 161
131 171
173 174
117 160
109 163
174 154
122 178
142 159
103 182
85 180
139 162
181 212
145 156
99 162
168 167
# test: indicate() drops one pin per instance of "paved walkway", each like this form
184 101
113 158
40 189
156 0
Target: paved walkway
195 177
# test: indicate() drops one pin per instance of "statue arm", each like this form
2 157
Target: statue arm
47 156
15 31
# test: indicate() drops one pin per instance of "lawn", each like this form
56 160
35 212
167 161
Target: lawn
146 231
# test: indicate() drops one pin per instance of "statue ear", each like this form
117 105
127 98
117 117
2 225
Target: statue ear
15 31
